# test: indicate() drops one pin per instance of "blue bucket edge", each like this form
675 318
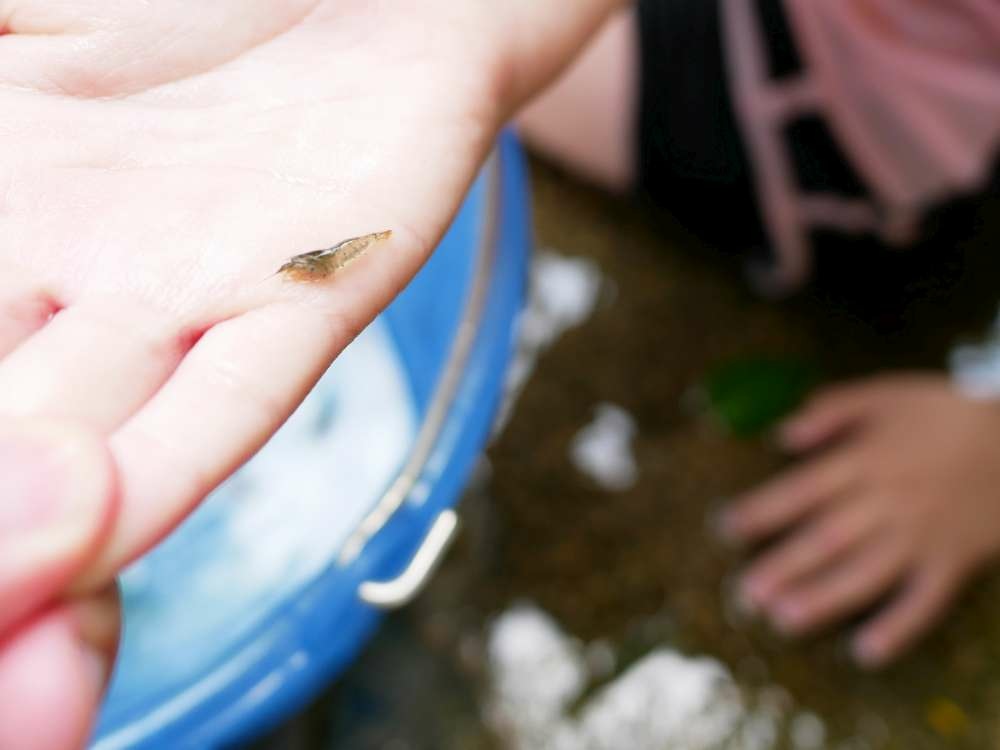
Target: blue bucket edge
315 636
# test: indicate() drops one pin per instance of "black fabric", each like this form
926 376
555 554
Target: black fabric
783 56
819 162
691 156
693 162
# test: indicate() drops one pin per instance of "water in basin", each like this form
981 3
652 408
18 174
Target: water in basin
272 527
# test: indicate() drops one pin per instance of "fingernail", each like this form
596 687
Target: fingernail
791 433
737 609
27 484
747 602
755 591
867 652
48 482
726 527
788 617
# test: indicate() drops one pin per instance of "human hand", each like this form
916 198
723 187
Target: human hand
57 501
898 503
157 168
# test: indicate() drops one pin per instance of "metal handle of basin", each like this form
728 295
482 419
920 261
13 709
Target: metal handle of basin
400 591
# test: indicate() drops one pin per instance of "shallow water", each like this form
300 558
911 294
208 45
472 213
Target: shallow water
272 527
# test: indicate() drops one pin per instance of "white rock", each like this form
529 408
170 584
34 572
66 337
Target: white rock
807 732
603 449
536 673
562 295
975 368
664 701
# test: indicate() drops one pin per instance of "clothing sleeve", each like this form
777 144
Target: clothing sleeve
908 90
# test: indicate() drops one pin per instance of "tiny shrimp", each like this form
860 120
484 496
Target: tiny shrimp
321 264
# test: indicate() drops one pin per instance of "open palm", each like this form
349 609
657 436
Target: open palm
141 214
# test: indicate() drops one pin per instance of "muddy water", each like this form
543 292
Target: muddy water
636 568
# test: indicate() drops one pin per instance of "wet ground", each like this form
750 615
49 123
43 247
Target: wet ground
638 568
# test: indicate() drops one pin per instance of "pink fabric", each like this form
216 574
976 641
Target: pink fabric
911 90
911 86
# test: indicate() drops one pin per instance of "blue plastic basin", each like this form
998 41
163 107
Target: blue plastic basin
263 665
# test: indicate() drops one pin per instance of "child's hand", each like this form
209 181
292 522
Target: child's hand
900 502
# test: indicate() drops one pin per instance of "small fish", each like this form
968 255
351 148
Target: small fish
321 264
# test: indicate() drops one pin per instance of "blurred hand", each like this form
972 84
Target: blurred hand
897 504
57 500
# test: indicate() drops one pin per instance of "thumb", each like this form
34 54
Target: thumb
57 496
